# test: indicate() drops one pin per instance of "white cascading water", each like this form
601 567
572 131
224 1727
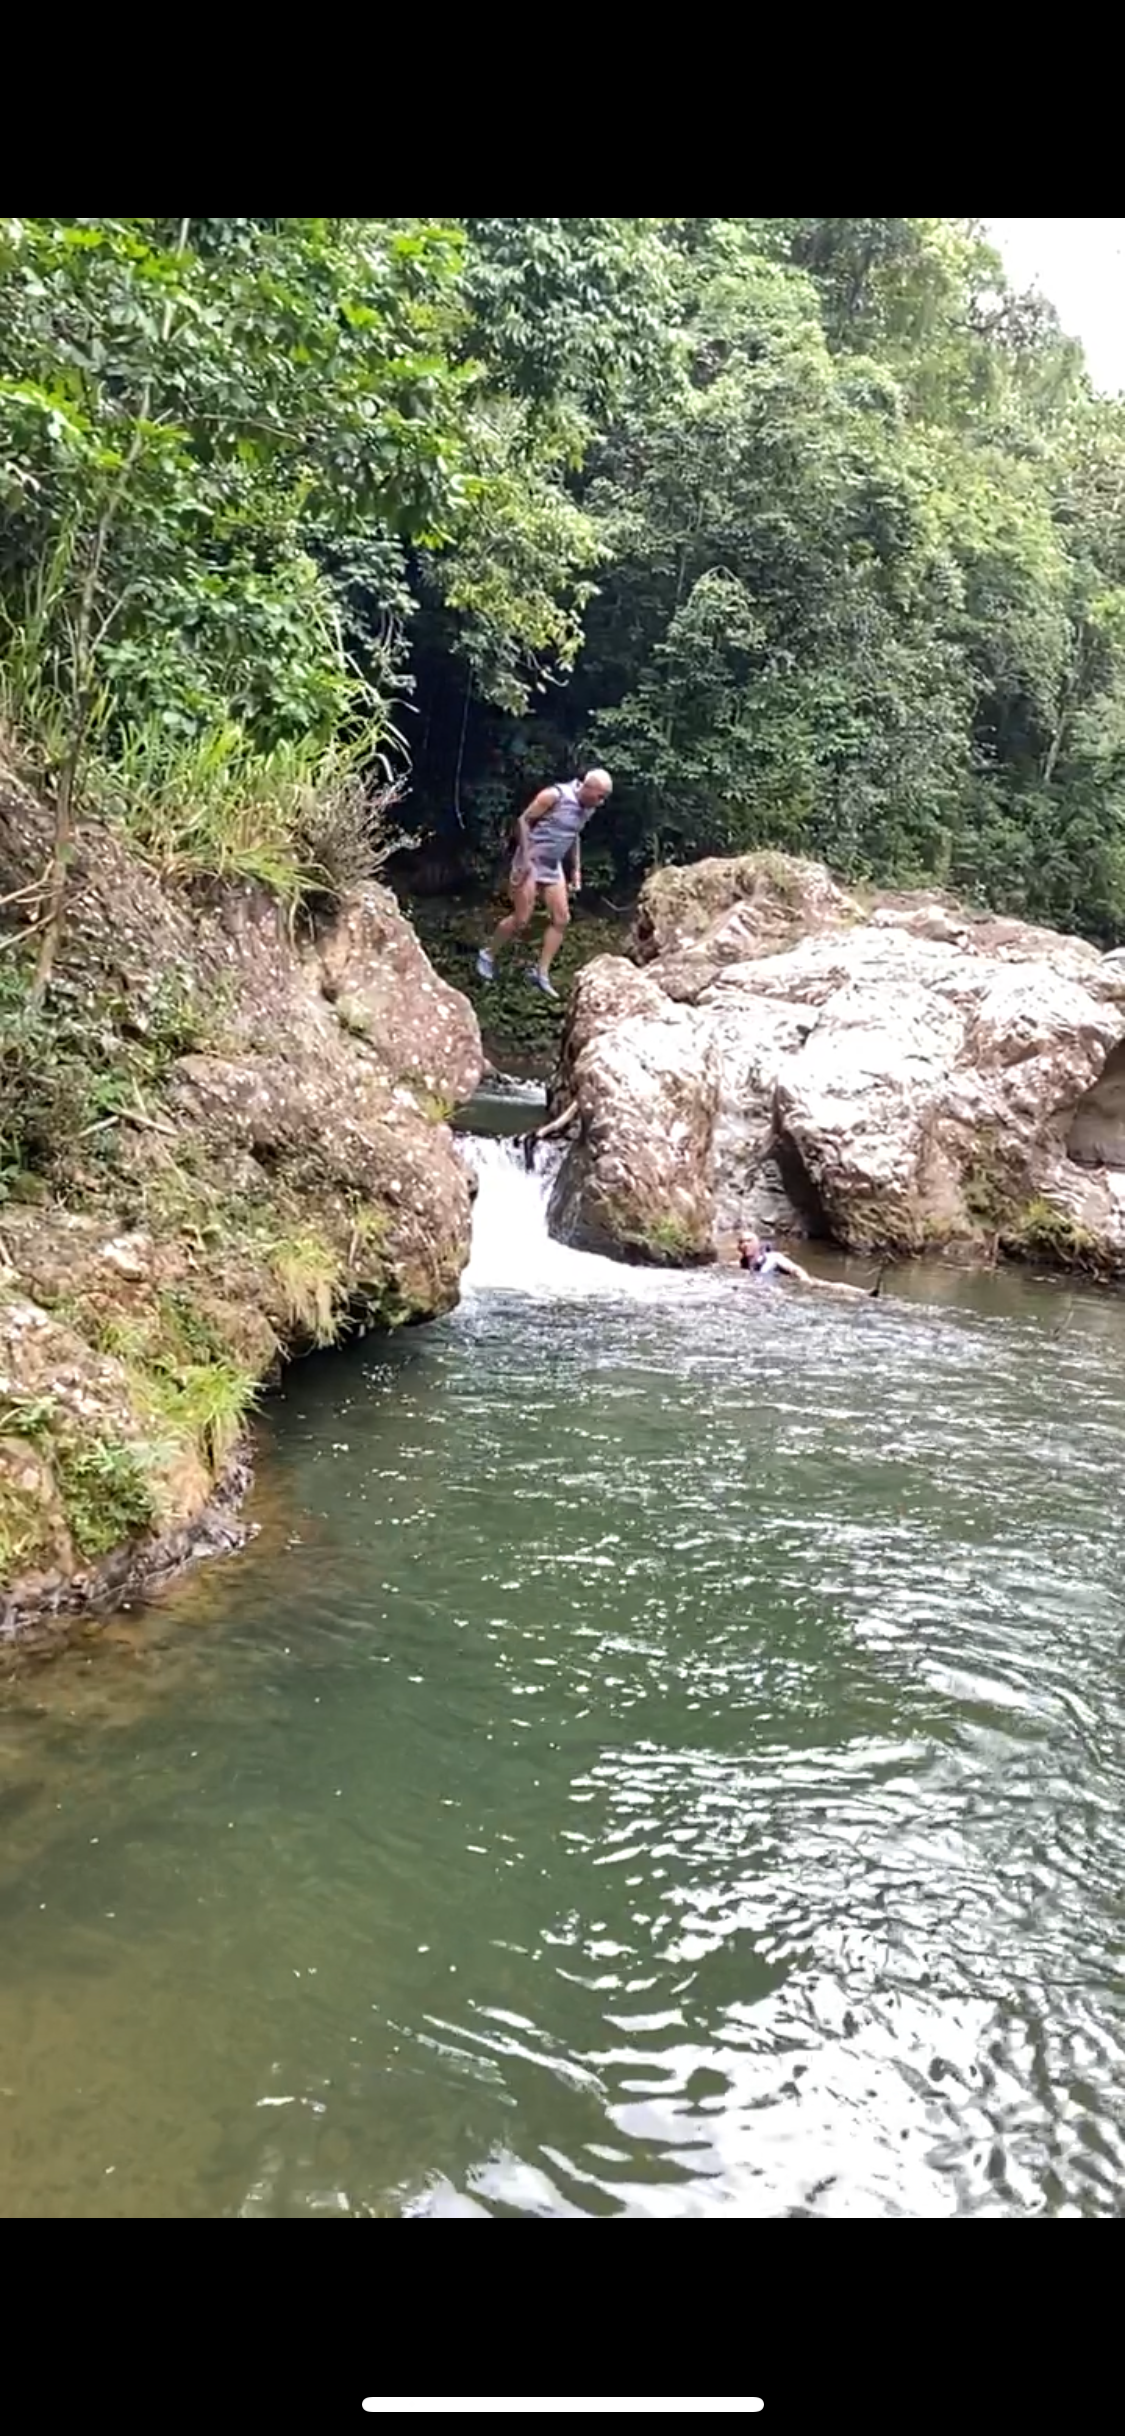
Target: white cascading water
512 1250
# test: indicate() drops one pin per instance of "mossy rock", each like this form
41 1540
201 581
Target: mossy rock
34 1538
1041 1231
102 1487
662 1240
223 1142
354 1018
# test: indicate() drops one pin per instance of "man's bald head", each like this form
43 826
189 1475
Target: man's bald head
595 787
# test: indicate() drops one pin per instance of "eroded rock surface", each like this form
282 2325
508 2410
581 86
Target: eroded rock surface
896 1074
226 1143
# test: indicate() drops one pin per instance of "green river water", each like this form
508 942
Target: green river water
663 1754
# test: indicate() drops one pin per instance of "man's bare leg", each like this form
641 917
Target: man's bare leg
523 906
557 901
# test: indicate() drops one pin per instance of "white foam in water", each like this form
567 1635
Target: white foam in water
512 1251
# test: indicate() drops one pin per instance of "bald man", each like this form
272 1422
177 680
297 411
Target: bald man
550 835
760 1260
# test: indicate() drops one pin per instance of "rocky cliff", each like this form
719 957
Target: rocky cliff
890 1073
222 1143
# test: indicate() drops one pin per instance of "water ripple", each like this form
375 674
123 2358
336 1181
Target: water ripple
670 1762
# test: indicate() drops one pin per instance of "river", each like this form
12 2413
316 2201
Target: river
663 1754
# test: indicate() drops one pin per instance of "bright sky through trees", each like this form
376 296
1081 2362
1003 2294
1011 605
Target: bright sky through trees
1080 265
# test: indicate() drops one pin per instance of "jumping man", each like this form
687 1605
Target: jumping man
550 834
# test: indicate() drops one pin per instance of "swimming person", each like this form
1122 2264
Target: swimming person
761 1260
550 833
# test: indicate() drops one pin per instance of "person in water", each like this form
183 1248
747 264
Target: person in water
550 835
761 1260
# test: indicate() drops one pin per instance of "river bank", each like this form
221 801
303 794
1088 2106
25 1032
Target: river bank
224 1144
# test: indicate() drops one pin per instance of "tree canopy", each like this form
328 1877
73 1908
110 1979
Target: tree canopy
812 529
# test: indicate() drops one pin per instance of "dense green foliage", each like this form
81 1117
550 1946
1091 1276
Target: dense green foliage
811 529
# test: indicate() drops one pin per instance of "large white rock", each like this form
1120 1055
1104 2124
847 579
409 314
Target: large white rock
906 1076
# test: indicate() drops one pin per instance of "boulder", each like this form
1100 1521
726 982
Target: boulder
899 1075
234 1148
753 901
639 1180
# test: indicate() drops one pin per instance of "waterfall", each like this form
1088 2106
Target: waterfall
512 1250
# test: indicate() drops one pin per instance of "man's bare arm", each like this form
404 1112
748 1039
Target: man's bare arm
823 1285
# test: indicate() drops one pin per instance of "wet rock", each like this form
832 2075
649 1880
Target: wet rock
33 1526
638 1180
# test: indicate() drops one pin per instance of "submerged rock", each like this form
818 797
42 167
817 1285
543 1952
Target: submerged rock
234 1148
897 1075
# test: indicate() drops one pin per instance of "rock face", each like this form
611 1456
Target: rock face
224 1143
642 1190
896 1074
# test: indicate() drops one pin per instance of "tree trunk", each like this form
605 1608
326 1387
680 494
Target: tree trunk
1069 693
60 857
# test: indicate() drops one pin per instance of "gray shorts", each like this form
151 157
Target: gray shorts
540 868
